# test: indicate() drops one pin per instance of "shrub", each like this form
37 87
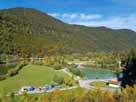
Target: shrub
58 79
76 95
69 82
57 66
13 72
76 72
38 63
3 77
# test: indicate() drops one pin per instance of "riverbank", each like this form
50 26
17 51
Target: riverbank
85 83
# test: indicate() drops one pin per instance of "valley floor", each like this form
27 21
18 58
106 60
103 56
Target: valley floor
31 75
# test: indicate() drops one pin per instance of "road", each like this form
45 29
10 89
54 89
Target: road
39 92
65 70
86 84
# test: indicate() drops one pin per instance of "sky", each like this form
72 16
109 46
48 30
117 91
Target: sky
116 14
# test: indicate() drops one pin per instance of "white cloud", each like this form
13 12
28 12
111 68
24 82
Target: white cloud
54 14
69 16
77 16
90 16
127 22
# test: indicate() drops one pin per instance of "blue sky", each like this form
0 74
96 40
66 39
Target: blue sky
115 14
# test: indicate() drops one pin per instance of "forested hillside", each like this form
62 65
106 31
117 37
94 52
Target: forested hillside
28 32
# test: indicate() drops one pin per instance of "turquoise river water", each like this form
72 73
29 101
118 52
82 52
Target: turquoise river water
98 73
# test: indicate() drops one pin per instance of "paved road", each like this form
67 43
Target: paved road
65 70
38 92
86 84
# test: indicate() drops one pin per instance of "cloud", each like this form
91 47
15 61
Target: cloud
53 14
76 16
69 16
128 22
89 16
96 20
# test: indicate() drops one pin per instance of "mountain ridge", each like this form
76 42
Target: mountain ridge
22 8
50 35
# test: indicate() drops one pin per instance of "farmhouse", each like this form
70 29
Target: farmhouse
113 83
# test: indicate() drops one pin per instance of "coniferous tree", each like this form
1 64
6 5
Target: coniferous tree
128 74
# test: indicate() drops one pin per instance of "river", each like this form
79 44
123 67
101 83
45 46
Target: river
91 73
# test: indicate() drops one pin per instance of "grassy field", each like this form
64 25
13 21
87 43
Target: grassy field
30 75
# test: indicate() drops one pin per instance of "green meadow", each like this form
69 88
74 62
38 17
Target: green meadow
34 75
